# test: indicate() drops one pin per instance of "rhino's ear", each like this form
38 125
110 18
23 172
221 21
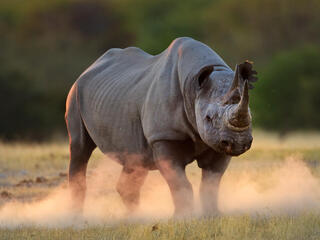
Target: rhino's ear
203 75
247 73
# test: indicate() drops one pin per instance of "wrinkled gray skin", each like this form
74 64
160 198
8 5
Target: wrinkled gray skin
160 112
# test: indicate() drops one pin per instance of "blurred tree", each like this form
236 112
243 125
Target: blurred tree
45 45
44 48
157 23
20 106
287 96
255 30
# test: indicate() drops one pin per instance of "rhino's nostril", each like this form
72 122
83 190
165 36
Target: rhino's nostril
224 143
208 118
247 146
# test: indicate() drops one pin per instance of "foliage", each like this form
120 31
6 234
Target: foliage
258 29
157 23
45 45
288 95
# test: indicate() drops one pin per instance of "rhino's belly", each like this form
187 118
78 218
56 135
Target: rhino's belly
120 138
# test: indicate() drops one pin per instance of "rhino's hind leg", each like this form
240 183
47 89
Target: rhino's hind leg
81 146
129 185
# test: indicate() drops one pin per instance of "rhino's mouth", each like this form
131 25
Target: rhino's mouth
233 150
236 153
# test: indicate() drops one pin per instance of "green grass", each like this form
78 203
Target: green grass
263 176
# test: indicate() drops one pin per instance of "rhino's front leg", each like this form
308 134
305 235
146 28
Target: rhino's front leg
209 191
213 166
171 158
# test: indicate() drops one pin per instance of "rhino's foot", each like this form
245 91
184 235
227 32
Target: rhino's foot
212 212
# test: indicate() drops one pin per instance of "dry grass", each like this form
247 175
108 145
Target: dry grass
263 196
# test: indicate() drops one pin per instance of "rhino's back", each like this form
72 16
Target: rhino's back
110 96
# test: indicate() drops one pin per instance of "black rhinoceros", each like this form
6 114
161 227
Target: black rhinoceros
160 112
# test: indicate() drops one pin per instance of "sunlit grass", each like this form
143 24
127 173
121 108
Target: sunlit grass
306 226
19 161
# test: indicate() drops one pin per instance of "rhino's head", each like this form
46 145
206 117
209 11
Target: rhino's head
222 111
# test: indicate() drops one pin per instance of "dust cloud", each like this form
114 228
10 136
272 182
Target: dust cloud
247 187
288 188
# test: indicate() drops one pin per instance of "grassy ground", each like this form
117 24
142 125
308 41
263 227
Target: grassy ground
271 192
240 227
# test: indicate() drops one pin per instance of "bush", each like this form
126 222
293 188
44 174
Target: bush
287 95
45 45
20 105
44 48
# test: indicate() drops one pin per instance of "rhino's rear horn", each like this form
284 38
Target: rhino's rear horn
235 82
233 94
244 103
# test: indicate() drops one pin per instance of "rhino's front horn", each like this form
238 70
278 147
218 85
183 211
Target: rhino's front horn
239 117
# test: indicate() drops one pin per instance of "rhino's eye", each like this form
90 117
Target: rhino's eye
234 98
